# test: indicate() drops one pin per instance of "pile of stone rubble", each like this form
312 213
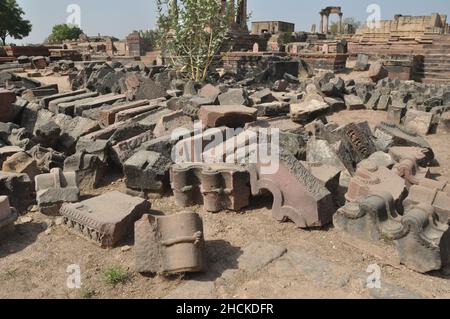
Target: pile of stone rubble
373 185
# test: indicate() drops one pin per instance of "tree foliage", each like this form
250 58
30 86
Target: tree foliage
334 25
12 23
150 39
192 34
63 32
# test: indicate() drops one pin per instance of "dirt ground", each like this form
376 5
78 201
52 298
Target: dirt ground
249 255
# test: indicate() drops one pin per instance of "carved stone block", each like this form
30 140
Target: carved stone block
438 199
297 194
105 219
426 244
169 244
216 186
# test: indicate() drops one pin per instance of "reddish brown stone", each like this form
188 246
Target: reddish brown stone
371 179
297 195
216 186
169 244
7 98
108 116
227 115
129 113
105 219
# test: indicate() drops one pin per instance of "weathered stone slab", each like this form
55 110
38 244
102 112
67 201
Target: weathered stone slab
132 112
147 171
108 117
419 121
18 188
97 102
105 219
7 98
353 102
21 162
234 97
127 148
66 105
306 111
436 198
54 189
88 168
169 244
44 102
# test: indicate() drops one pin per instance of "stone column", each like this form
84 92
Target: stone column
321 23
327 18
340 26
243 14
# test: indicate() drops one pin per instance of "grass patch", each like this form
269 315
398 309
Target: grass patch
115 275
87 293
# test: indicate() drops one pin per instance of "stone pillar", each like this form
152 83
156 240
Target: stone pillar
321 23
340 27
243 14
327 18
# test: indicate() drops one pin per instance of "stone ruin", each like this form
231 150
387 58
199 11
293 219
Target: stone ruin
372 183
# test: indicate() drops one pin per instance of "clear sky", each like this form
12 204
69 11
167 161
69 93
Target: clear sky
120 17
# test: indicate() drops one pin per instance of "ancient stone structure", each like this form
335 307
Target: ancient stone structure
134 44
105 219
325 13
169 244
273 27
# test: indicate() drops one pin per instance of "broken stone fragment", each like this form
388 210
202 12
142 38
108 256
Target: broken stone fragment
169 244
172 121
8 216
369 179
54 189
147 171
19 189
353 102
377 71
362 63
397 135
7 98
106 219
426 246
234 97
216 186
47 158
418 121
297 195
306 111
21 162
210 91
233 116
88 168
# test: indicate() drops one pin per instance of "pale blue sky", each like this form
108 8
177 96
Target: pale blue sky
119 17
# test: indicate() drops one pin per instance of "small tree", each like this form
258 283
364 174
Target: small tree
150 39
334 25
63 32
192 33
12 23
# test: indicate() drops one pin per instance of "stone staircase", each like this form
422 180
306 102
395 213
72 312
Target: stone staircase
434 62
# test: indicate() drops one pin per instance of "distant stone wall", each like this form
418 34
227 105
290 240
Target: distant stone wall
405 26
